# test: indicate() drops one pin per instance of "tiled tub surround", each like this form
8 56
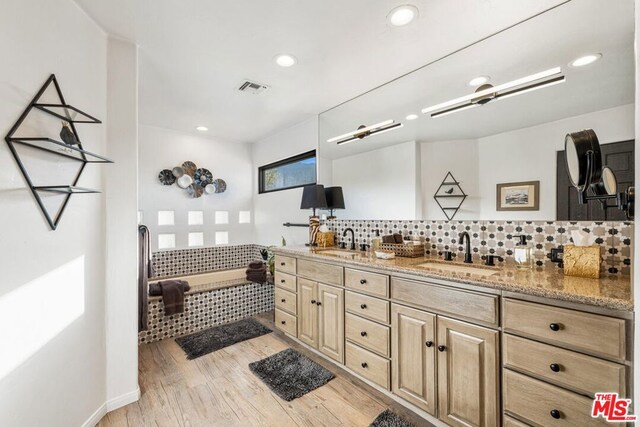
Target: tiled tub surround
206 309
498 237
193 261
611 291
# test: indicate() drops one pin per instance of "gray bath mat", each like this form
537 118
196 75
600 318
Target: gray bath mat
290 374
212 339
390 419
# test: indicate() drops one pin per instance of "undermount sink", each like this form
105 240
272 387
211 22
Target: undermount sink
459 268
342 254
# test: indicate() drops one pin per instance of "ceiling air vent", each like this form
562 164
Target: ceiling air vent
252 87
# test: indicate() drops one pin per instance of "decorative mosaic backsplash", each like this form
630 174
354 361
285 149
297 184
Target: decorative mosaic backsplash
498 237
206 309
201 260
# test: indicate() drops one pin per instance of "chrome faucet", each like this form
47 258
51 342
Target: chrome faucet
353 238
467 249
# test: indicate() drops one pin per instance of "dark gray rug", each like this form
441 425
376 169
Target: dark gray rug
390 419
290 374
212 339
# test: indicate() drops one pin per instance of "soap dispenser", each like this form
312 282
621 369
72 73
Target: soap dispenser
376 241
523 253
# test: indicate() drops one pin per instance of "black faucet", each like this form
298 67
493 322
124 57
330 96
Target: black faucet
467 248
353 238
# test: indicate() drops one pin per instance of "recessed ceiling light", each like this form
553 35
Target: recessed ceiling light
285 60
479 81
585 60
402 15
202 128
411 117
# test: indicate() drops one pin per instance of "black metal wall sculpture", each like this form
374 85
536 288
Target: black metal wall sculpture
450 190
70 148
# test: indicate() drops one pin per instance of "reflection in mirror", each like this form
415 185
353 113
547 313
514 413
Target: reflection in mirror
496 112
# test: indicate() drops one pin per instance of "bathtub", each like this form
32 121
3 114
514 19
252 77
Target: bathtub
212 280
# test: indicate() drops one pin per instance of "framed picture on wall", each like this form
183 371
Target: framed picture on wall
518 196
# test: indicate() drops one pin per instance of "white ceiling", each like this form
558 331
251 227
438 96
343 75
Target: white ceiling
550 40
194 53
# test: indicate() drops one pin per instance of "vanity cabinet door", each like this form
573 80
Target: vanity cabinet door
331 321
468 379
308 312
414 356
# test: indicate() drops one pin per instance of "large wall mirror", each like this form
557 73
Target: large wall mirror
391 148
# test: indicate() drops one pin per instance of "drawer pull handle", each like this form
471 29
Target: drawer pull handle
313 301
441 348
283 281
283 264
283 322
363 334
283 300
364 364
555 414
318 303
363 281
554 327
363 306
554 367
429 343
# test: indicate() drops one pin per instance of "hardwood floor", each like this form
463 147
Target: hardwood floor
219 390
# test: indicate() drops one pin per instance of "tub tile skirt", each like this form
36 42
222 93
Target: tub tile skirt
206 309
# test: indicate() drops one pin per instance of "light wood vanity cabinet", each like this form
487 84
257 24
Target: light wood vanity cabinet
439 346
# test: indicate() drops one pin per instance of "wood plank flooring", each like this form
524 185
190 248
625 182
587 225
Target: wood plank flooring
219 390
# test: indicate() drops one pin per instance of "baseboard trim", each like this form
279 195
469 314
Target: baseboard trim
123 400
112 405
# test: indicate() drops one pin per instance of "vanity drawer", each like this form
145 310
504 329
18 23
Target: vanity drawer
285 281
512 422
285 264
584 374
533 400
371 283
369 365
319 272
286 322
577 330
368 334
366 306
285 300
444 299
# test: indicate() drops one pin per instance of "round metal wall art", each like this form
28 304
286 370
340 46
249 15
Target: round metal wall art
197 181
166 177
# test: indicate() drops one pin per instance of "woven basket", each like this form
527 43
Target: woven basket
402 249
326 239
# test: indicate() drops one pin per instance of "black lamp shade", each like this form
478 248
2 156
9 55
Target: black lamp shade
313 197
335 198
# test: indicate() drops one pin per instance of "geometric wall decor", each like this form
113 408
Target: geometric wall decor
449 196
70 148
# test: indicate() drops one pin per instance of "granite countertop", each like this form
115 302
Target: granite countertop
610 291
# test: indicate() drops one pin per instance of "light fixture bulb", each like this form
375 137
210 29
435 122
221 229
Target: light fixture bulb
202 128
585 60
285 60
411 117
479 81
402 15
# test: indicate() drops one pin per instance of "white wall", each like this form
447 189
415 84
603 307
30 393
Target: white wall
165 149
460 157
274 209
121 225
52 309
530 155
379 184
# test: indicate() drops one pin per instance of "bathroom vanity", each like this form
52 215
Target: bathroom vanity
462 345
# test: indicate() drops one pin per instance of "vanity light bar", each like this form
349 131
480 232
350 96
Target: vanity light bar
373 132
505 86
363 130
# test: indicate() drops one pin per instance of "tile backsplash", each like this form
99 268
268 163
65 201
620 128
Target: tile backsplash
498 237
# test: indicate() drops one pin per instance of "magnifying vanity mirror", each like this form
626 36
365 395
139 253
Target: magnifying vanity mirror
593 181
495 115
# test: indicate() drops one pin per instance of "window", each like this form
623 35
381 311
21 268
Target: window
222 238
166 241
244 217
296 171
222 217
196 239
195 218
166 218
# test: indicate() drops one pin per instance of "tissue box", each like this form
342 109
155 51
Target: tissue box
326 239
582 261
